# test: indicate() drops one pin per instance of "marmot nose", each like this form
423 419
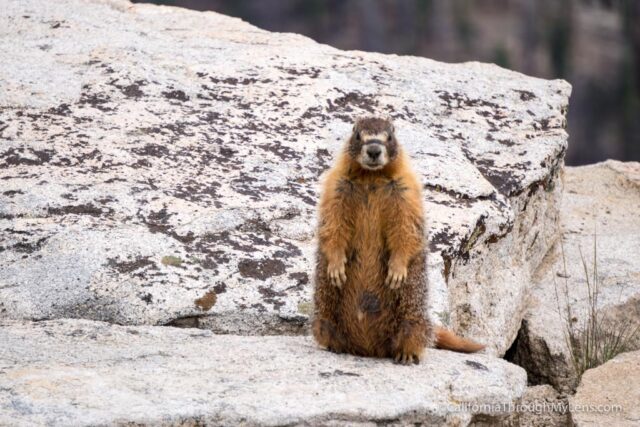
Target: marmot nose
374 152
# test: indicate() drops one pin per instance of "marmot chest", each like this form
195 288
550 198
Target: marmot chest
372 208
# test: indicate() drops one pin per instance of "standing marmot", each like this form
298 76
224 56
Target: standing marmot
370 274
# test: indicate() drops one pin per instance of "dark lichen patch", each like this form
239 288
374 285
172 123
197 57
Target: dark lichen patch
525 95
311 72
146 297
115 179
256 225
227 154
494 238
177 95
441 239
545 124
204 262
457 198
351 100
60 110
179 128
324 158
126 267
131 90
208 243
288 249
80 158
83 209
258 307
98 101
456 100
247 185
220 288
476 365
25 156
281 151
271 296
28 247
210 117
11 193
160 217
153 150
261 269
301 278
194 191
232 81
313 112
206 301
505 141
105 200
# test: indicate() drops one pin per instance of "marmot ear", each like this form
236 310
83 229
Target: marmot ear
387 118
356 124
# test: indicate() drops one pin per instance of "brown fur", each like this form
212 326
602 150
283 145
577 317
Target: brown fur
371 230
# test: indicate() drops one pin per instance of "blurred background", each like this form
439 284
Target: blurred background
594 44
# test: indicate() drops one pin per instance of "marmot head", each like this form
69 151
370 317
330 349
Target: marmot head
373 143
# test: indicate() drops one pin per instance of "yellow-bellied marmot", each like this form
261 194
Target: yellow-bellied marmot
371 272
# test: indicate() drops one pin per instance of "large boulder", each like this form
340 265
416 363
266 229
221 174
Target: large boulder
78 372
609 394
601 206
160 166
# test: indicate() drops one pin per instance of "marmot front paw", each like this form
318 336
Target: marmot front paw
337 271
396 275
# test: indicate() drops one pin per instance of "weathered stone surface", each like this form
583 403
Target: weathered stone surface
609 394
602 199
78 372
133 134
540 406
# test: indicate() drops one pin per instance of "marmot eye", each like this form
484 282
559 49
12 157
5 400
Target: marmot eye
388 138
357 136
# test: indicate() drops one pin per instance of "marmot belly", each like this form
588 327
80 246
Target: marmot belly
368 306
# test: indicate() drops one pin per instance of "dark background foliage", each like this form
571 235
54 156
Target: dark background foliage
594 44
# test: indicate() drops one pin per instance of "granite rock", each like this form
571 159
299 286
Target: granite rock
609 394
601 206
162 166
540 406
79 372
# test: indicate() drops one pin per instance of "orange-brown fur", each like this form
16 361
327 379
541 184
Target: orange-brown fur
371 230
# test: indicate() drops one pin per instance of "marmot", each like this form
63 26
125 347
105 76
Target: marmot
370 281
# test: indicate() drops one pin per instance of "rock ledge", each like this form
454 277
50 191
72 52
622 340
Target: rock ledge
77 372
